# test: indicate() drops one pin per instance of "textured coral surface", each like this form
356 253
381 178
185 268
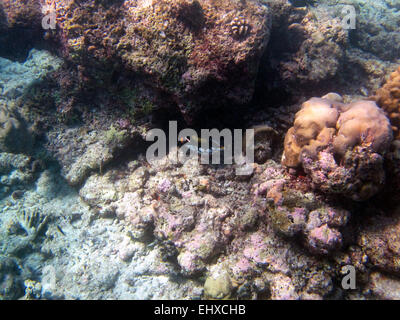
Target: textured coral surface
388 97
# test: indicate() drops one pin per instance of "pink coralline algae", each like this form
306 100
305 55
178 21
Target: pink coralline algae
294 213
324 239
319 228
359 176
164 185
254 251
242 266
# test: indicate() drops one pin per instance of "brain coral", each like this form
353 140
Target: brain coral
313 124
388 97
340 146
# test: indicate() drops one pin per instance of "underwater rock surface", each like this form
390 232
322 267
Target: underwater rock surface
183 48
84 214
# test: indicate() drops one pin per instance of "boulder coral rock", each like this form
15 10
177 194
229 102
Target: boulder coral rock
183 48
199 53
340 146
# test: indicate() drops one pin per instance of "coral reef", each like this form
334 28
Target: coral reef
379 239
308 43
340 146
81 152
388 98
16 78
294 212
49 264
85 216
10 287
219 229
16 173
380 39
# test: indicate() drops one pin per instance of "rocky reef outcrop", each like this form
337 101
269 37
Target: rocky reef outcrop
183 48
307 43
305 34
380 39
14 134
295 211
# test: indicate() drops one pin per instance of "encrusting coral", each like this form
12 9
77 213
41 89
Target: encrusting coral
340 146
388 98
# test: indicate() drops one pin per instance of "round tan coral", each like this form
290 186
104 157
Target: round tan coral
388 98
322 122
